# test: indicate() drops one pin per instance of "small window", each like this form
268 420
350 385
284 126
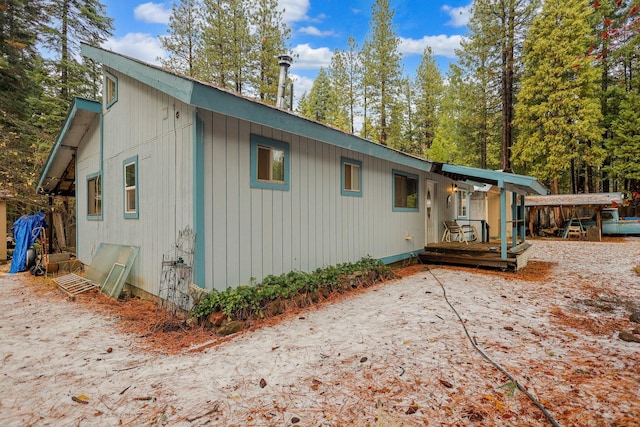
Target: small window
94 196
462 203
405 191
351 177
110 90
269 163
131 188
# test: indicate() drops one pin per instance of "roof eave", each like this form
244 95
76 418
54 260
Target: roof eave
78 104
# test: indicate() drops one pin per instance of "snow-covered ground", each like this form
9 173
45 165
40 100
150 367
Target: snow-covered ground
395 354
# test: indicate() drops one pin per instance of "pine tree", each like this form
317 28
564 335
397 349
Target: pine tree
225 58
446 146
429 89
382 68
558 113
319 105
353 66
492 51
271 38
74 22
338 74
625 143
23 146
184 39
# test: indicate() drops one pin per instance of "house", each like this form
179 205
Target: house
264 190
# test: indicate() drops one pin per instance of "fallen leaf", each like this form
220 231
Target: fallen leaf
80 399
447 384
263 383
412 409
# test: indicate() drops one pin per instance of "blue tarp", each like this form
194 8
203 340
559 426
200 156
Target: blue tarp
24 236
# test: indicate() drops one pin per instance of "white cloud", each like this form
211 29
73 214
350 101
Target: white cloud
153 13
308 58
459 15
294 10
442 45
301 84
142 46
313 31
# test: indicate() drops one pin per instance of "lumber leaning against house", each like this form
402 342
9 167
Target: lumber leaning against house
264 190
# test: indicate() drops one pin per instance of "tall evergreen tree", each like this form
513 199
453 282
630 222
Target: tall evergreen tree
382 68
271 41
339 75
74 22
447 144
558 113
23 147
354 75
429 89
225 58
319 104
183 41
625 144
493 49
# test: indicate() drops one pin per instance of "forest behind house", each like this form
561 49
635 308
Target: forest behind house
543 88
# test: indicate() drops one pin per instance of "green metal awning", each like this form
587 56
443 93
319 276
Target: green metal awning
519 184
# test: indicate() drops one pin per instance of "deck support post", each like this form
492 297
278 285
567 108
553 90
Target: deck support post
503 220
521 224
514 219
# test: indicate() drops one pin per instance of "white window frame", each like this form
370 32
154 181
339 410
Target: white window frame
94 196
110 90
462 204
129 211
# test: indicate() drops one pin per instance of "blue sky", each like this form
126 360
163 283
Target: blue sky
317 28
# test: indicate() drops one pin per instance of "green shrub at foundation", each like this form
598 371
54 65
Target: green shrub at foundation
297 289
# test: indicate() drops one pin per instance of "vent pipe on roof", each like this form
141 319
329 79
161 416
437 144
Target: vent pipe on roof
285 62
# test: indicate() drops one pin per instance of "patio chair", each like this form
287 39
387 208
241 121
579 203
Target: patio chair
452 230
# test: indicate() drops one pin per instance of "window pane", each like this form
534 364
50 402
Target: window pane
131 200
111 90
264 157
462 204
347 176
412 192
277 165
94 199
400 191
355 178
130 175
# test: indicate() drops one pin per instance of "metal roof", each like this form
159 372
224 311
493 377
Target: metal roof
58 175
208 97
520 184
590 199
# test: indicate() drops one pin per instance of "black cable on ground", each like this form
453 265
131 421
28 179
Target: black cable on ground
495 364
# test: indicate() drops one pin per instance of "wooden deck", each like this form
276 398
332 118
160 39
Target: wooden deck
476 254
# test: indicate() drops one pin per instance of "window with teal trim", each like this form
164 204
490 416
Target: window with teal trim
269 163
130 167
110 90
94 196
405 192
351 177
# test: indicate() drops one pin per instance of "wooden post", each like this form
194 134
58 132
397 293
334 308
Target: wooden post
3 230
